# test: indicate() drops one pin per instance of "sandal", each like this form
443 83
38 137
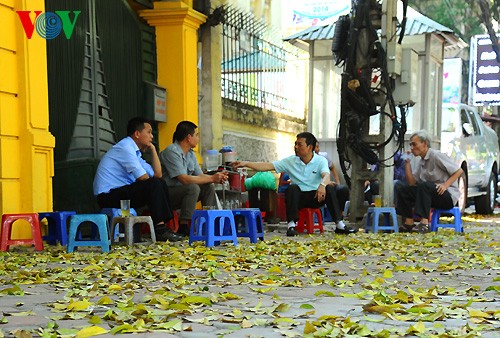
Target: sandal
406 228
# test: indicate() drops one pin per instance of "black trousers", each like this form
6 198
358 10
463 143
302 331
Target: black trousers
152 193
342 194
420 198
297 199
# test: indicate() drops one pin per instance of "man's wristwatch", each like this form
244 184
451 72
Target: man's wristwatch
323 184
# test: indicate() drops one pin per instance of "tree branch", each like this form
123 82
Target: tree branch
486 17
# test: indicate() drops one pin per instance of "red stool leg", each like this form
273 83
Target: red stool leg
320 220
302 219
173 224
310 220
36 232
6 229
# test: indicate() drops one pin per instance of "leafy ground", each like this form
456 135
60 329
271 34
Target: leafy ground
379 285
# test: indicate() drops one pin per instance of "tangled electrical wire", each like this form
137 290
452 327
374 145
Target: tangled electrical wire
366 85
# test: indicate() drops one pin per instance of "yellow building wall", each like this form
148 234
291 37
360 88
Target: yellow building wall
26 145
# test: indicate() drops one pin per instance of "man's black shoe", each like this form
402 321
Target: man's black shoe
346 231
183 230
292 232
164 234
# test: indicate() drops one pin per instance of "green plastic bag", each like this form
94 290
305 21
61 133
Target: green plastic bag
261 179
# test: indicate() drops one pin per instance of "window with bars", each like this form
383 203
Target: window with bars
259 69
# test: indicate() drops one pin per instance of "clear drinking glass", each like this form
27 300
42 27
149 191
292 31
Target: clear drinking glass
125 208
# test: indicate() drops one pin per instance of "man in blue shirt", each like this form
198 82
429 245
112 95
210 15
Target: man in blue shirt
123 174
309 182
187 184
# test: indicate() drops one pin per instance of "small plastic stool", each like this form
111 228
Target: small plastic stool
326 214
213 226
346 208
57 226
457 223
100 220
128 223
254 228
112 213
173 224
281 206
306 220
388 212
7 222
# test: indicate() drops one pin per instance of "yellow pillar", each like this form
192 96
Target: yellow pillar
176 26
26 145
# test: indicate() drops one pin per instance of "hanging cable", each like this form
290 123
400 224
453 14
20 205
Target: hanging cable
361 56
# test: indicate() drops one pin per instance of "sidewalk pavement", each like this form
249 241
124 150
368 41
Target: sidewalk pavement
442 284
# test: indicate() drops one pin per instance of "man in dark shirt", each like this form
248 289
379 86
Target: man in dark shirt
187 184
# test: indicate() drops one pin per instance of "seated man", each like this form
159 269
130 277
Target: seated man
123 174
372 187
341 190
309 182
187 184
432 184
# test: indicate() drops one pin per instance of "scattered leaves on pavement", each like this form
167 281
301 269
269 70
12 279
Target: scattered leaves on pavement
379 285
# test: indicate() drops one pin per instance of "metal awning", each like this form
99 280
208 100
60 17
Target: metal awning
416 24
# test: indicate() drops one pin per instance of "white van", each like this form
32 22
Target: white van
474 146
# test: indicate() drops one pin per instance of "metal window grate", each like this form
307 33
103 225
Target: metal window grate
257 65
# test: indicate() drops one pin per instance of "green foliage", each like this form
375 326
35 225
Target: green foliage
463 17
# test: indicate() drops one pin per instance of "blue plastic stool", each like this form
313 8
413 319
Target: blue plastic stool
455 212
325 214
254 227
388 212
57 226
213 226
112 213
346 208
100 220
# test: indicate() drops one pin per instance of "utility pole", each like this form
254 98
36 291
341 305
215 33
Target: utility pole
370 67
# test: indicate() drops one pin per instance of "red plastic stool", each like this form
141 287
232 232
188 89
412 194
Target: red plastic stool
32 219
281 207
306 220
173 224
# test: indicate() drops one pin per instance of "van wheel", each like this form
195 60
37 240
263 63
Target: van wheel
485 204
462 188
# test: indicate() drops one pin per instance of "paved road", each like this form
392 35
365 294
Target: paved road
440 283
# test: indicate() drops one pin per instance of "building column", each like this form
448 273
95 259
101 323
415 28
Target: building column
26 145
176 26
210 86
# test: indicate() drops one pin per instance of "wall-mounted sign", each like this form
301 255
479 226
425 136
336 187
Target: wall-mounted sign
452 80
160 98
155 102
485 72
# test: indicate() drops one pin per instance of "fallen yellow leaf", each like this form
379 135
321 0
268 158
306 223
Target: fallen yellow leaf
91 331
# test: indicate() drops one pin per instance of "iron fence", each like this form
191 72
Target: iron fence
258 68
